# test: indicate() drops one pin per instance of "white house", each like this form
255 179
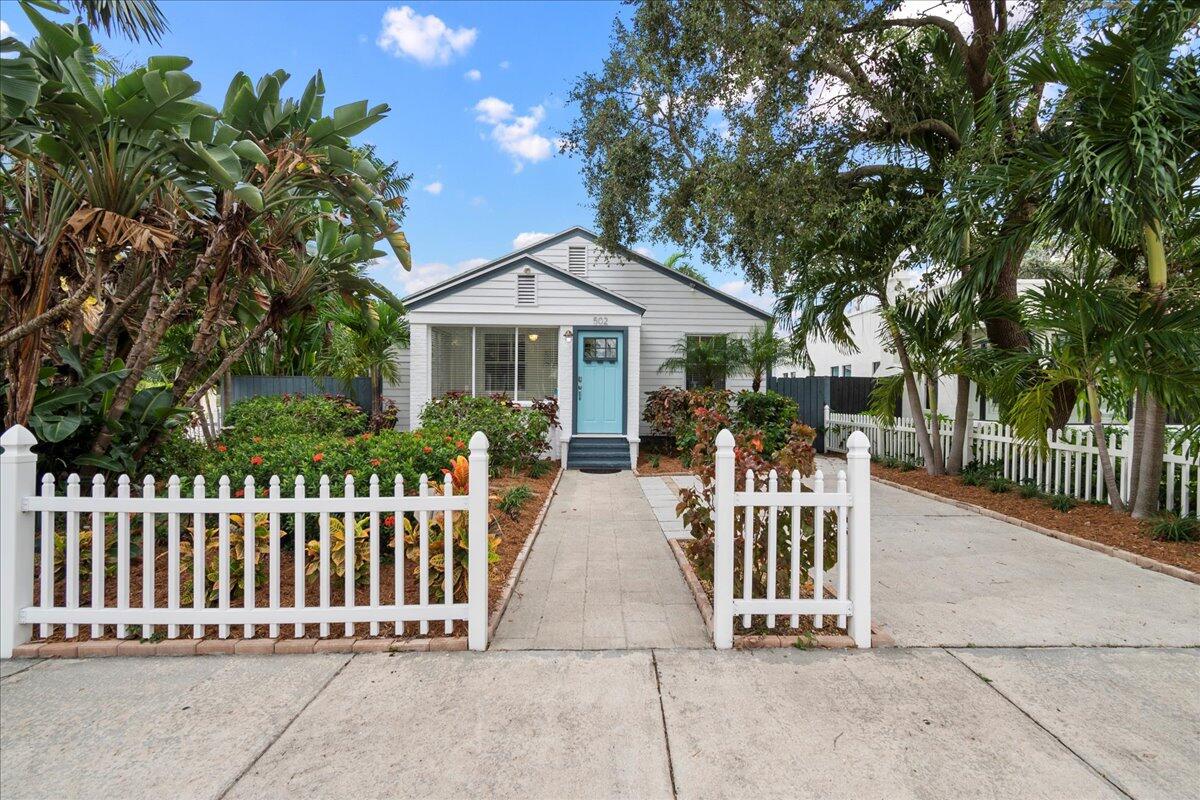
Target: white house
564 318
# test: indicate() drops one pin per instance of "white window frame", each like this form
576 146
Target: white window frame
517 329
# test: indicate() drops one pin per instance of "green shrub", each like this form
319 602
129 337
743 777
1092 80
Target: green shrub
769 412
1030 490
1173 528
512 500
655 461
516 435
999 485
981 473
538 468
1061 502
292 414
907 465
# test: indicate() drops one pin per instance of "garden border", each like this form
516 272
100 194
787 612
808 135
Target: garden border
518 567
1133 558
741 641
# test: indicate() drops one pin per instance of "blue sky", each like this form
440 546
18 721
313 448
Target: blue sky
478 97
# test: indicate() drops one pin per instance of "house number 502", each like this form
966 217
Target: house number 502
599 320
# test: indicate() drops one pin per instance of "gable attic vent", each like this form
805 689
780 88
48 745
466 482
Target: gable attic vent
577 261
526 288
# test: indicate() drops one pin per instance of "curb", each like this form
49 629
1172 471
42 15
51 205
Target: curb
518 567
1133 558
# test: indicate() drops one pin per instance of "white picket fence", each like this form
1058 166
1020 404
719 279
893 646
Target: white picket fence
849 534
1069 464
22 507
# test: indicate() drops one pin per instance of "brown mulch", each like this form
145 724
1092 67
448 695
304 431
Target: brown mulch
1097 523
667 464
513 532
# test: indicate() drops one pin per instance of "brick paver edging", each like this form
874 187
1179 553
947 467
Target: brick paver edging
1106 549
519 564
258 646
250 647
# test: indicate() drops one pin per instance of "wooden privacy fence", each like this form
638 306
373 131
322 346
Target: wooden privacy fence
840 521
1069 463
29 525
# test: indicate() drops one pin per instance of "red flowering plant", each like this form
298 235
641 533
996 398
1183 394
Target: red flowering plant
696 505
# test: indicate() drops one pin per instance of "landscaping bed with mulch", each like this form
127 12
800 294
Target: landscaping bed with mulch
513 529
1092 521
660 464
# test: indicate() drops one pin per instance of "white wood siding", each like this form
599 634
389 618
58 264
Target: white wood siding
398 392
673 309
498 295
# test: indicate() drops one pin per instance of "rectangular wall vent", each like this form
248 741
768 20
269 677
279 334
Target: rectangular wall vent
526 289
577 261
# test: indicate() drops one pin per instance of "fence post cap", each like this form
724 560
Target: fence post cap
479 442
858 441
17 437
725 438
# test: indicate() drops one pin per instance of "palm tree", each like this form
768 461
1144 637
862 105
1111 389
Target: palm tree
131 18
364 340
761 350
1119 165
675 261
1093 331
706 361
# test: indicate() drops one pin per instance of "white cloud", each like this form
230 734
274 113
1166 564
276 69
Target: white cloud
423 38
493 110
516 134
732 287
434 188
527 238
503 65
403 282
472 74
644 251
5 30
478 201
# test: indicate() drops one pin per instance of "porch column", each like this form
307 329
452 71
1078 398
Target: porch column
566 385
418 373
633 400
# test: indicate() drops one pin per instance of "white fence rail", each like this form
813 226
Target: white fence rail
1068 464
29 524
840 521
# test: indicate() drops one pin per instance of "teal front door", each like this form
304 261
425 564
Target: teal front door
599 381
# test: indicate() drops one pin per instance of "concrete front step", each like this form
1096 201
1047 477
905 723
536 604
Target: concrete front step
598 453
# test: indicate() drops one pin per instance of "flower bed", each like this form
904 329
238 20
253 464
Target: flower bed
1091 521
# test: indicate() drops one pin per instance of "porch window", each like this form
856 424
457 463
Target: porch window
519 362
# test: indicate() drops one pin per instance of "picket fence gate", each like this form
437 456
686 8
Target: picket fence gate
849 534
23 506
1068 464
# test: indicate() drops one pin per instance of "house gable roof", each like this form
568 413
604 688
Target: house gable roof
421 296
486 271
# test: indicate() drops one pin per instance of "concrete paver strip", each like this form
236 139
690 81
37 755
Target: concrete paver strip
12 666
600 575
885 724
164 727
534 725
1133 714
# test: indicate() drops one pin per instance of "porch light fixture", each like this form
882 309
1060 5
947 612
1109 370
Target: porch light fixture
533 337
568 333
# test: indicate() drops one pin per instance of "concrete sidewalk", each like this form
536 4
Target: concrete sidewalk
600 576
897 723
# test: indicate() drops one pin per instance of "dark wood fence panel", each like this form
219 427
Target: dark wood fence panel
812 394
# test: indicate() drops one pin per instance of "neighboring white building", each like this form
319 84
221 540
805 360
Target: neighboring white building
874 359
563 318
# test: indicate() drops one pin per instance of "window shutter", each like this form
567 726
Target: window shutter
577 261
526 289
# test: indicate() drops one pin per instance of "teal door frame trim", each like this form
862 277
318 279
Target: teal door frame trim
575 350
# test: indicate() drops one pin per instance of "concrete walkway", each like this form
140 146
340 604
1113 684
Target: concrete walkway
600 576
896 723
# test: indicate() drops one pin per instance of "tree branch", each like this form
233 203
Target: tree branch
948 27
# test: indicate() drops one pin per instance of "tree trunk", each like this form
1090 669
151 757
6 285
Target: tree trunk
230 359
914 397
1135 447
1106 464
1151 461
1145 504
962 413
935 427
